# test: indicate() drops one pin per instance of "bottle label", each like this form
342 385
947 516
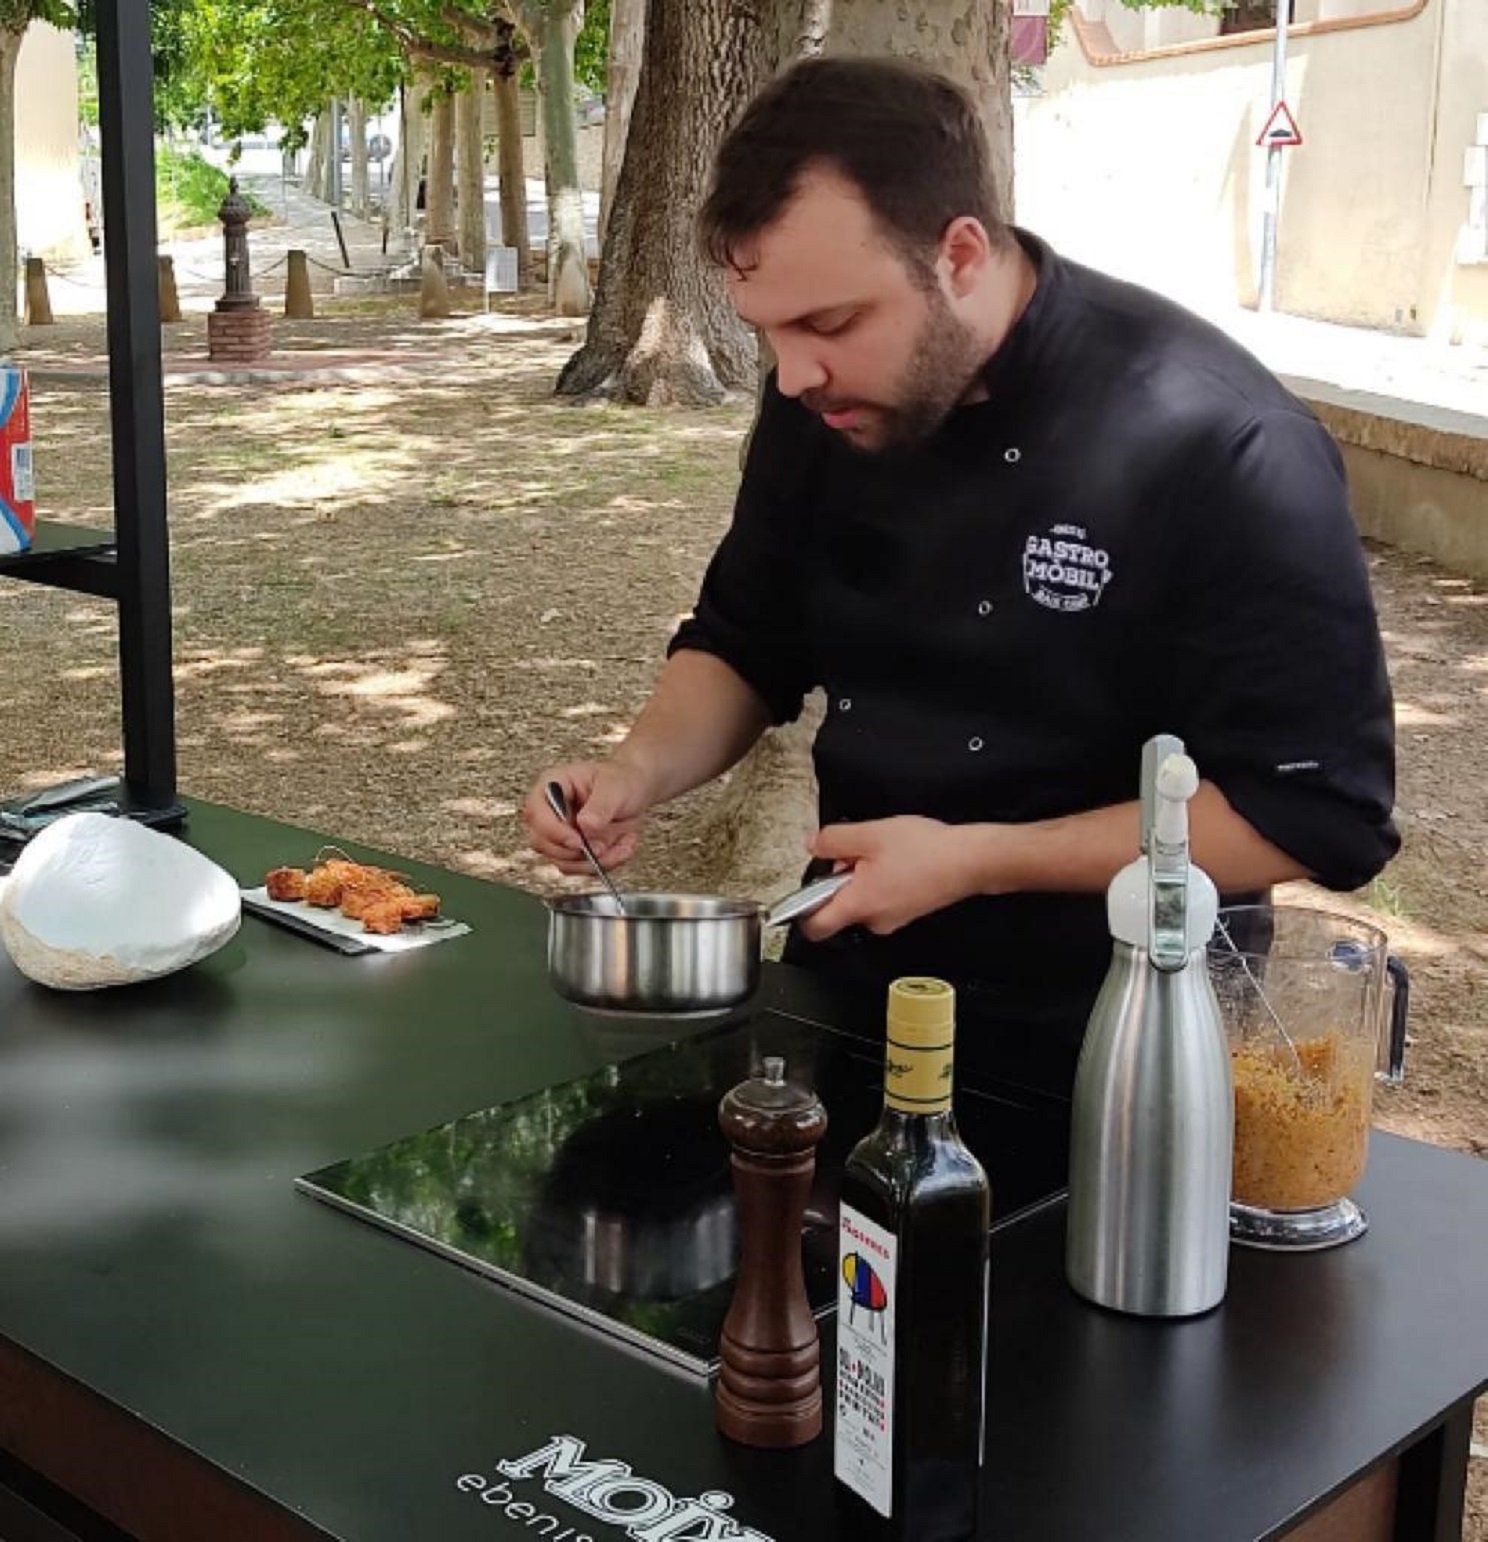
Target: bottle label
917 1078
866 1284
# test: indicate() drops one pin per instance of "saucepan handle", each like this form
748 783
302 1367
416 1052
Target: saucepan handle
804 901
1394 1072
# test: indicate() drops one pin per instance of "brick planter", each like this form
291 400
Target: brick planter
242 335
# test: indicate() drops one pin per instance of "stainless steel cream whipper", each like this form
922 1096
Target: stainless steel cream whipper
1152 1129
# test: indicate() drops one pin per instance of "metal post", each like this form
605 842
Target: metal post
136 401
1271 218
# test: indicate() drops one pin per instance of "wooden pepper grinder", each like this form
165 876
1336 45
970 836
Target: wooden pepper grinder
769 1392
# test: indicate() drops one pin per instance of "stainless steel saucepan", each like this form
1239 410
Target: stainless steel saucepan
670 954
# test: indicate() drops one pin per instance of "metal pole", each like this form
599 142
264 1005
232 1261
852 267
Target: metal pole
136 401
1271 219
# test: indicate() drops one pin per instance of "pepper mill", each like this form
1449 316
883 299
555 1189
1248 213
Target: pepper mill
769 1391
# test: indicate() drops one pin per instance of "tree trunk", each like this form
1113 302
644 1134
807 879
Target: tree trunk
10 47
553 43
313 182
810 29
471 157
663 329
627 42
333 189
439 206
361 182
968 42
413 134
513 174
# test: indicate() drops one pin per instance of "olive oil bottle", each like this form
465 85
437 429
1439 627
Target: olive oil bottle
912 1286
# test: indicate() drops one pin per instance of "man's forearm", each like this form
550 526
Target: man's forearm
701 719
1081 853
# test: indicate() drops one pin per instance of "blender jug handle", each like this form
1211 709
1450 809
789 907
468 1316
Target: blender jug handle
1394 1072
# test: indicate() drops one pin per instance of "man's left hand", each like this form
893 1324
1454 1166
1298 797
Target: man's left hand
903 868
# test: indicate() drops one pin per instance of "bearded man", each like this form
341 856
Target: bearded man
1014 517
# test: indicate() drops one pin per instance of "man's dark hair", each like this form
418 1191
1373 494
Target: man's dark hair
909 139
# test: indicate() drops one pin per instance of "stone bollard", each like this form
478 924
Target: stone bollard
434 295
170 301
299 305
38 301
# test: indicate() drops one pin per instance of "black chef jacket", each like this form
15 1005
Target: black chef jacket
1139 531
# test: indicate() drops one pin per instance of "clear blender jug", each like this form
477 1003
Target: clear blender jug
1302 994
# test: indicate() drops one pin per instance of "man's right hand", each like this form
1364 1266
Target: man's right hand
609 798
700 719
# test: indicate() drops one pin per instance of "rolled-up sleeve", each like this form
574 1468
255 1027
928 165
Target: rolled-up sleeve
748 612
1275 669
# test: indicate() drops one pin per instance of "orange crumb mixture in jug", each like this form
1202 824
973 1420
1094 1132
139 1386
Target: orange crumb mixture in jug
1300 1139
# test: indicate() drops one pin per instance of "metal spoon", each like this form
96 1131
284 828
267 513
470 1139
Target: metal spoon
558 802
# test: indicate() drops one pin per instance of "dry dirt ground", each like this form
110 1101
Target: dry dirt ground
396 598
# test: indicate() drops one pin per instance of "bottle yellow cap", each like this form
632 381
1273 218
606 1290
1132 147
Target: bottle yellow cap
922 1012
920 1042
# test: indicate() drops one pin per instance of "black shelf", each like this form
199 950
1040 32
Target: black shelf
68 557
131 564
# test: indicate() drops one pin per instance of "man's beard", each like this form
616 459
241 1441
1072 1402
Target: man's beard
942 366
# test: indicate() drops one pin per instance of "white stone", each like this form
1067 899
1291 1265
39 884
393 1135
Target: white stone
96 900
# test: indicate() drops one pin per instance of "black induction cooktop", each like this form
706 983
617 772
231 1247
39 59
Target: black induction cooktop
611 1198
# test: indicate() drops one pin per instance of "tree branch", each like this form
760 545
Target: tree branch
423 47
482 30
522 13
451 53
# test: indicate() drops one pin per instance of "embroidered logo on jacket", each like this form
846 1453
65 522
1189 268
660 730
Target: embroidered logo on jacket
1062 571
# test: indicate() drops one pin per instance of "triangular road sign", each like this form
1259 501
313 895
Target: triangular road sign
1281 129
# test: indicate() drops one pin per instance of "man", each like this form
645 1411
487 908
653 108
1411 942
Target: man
1015 517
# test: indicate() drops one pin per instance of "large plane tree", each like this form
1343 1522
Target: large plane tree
661 329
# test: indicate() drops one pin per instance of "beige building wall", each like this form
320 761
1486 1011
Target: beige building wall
1147 166
49 189
590 145
1454 277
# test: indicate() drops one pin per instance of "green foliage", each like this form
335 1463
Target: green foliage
190 190
17 15
177 98
87 65
592 51
253 62
167 58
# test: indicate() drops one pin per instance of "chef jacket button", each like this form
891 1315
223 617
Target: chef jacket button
1012 455
974 745
845 705
985 608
